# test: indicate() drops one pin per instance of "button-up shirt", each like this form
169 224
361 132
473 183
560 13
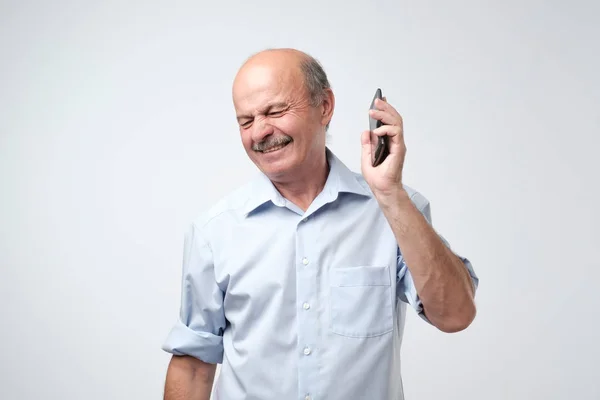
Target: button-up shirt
298 305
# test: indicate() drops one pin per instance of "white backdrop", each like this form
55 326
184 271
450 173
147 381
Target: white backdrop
117 128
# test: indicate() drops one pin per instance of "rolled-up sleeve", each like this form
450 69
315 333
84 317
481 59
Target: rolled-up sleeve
199 329
406 289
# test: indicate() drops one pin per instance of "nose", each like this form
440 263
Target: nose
260 130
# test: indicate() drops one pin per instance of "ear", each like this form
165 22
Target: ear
327 107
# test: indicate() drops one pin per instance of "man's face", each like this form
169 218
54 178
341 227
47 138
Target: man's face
280 130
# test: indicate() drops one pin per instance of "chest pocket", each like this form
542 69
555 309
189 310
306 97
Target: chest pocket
361 301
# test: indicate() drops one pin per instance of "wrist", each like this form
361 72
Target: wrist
393 197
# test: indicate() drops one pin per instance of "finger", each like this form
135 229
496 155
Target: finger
389 130
386 117
385 106
394 134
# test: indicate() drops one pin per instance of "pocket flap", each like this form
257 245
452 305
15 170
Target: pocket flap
361 276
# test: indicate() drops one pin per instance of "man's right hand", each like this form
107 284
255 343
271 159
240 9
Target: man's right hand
189 379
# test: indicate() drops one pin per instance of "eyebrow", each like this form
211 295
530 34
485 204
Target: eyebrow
265 110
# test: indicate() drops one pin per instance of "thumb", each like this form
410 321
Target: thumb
365 140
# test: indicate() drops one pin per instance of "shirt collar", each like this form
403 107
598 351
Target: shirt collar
340 180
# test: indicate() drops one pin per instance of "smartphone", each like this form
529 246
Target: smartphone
379 144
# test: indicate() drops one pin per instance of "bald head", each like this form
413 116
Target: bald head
293 64
282 57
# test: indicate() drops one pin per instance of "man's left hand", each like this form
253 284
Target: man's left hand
386 178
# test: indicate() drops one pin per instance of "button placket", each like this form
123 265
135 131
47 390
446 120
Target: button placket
306 276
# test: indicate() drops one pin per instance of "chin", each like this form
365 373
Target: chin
278 163
277 169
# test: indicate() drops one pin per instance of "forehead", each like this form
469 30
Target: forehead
259 86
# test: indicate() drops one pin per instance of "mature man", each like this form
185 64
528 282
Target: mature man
297 283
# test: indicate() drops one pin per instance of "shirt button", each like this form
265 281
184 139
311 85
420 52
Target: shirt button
305 261
306 306
307 397
306 351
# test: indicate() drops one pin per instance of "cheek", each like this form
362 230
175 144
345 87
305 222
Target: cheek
289 125
246 137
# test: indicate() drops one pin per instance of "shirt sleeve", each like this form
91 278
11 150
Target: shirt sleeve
199 329
406 286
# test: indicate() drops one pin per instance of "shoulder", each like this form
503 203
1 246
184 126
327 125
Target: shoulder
225 210
417 198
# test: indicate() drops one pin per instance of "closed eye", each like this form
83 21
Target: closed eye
275 113
246 124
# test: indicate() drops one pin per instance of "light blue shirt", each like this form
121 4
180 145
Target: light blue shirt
298 305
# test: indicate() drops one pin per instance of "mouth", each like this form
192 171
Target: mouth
275 148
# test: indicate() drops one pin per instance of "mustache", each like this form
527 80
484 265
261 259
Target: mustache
271 141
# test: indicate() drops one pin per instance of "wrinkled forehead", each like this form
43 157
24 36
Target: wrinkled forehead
258 85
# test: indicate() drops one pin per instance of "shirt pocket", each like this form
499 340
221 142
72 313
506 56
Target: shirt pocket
361 301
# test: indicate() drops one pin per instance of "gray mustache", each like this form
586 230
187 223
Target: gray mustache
271 142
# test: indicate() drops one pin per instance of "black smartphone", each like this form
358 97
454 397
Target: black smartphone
379 144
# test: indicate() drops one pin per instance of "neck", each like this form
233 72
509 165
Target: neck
306 185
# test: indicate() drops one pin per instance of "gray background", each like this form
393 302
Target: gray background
114 118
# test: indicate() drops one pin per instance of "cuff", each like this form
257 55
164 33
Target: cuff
205 346
416 300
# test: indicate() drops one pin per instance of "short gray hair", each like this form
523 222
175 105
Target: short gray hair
316 81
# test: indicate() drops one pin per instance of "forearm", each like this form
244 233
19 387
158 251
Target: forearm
441 279
189 379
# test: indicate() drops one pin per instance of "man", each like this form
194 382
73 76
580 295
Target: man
297 283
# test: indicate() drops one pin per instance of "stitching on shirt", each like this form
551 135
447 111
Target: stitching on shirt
209 220
201 236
